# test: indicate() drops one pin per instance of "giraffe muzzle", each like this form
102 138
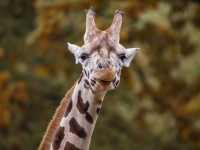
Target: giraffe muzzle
105 74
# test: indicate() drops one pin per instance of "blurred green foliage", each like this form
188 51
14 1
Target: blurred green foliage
156 106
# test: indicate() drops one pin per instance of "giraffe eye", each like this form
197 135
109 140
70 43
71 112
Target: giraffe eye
122 57
83 57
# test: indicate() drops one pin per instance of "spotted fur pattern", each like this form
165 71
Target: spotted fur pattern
102 58
80 116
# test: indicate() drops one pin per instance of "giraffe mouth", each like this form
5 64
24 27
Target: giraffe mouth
105 75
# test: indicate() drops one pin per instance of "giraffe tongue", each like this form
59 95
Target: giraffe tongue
105 74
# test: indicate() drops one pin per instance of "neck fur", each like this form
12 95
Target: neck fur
76 124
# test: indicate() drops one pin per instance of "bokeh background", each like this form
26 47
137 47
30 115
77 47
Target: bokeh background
156 106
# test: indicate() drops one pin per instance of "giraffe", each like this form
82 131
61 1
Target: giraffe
102 58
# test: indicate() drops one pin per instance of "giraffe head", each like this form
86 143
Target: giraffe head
102 56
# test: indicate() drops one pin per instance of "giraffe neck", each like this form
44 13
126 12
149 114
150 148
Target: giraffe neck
78 122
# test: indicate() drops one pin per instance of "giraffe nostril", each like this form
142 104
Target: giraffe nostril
100 65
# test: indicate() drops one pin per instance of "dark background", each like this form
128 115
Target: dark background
156 106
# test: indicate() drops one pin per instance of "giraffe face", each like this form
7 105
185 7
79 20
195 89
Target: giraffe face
102 56
102 60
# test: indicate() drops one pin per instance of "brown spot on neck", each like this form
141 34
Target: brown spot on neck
98 109
92 84
93 81
82 107
80 78
89 118
116 84
77 129
85 72
114 80
58 138
69 108
87 82
70 146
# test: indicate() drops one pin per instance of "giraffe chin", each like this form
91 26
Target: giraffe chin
104 77
103 82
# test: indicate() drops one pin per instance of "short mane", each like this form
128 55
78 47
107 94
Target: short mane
54 123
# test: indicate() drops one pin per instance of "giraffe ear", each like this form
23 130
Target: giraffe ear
130 53
74 49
